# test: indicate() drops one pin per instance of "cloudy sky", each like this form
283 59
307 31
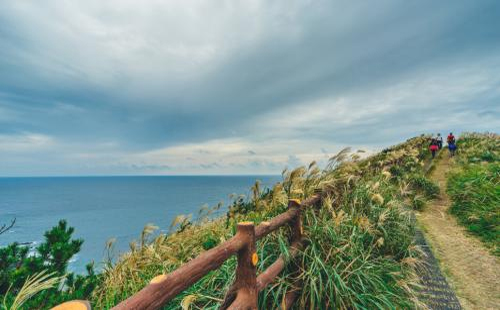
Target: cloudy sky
236 87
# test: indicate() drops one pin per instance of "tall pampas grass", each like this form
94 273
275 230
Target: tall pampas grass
33 285
360 252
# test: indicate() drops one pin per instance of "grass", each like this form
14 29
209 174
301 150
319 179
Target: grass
360 252
32 286
359 255
474 187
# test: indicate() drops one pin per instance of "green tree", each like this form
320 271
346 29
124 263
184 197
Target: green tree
52 256
58 248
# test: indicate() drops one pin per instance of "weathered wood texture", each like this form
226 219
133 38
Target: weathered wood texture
290 298
296 221
155 295
267 227
268 275
312 201
243 293
244 286
297 244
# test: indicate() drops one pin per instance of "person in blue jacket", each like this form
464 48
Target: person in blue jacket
452 147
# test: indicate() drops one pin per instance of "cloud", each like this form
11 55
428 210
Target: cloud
428 101
151 167
294 161
154 83
24 142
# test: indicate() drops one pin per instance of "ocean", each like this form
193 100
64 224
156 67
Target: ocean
100 208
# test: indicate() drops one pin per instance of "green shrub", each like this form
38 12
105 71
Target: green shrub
210 242
418 202
50 258
488 156
474 187
423 185
396 171
475 192
359 253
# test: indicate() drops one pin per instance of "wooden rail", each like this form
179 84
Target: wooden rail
244 291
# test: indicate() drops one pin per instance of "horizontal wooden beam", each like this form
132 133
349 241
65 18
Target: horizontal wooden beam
276 222
268 275
312 201
166 287
163 288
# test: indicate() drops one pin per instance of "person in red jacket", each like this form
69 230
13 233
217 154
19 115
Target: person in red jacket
433 147
450 139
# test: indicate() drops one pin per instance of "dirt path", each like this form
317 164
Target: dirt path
470 269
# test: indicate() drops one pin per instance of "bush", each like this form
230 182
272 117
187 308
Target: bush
474 187
418 202
209 242
360 252
51 259
475 192
423 185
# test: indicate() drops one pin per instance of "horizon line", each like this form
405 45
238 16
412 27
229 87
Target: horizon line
137 175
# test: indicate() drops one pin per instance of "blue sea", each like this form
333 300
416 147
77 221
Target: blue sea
100 208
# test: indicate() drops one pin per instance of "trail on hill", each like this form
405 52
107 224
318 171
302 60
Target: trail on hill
471 270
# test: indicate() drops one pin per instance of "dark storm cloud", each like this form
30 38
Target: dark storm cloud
134 77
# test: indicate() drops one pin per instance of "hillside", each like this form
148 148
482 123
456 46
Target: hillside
360 253
462 224
364 249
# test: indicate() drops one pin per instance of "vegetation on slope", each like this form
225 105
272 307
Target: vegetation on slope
360 252
359 255
39 280
474 187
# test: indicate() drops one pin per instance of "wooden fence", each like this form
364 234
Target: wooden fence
244 291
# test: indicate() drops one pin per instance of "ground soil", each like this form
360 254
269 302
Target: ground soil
471 270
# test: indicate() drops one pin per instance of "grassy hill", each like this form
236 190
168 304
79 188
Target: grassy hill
474 187
360 251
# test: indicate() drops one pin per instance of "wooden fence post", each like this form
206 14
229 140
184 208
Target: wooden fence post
296 223
244 290
297 232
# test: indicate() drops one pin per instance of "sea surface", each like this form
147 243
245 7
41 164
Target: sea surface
100 208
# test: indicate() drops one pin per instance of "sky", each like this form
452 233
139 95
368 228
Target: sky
236 87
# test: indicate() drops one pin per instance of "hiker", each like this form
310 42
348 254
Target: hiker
452 147
433 147
439 141
451 138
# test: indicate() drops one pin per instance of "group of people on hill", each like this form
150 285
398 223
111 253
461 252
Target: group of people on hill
437 144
